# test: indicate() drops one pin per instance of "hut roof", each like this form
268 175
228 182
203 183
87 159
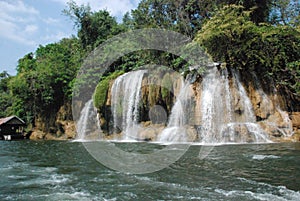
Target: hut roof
12 120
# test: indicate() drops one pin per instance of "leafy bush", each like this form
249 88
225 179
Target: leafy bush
101 90
270 51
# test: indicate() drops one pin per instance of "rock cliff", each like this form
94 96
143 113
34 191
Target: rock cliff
158 95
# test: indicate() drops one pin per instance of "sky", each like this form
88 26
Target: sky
26 24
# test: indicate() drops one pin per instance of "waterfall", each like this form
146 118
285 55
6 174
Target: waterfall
215 105
244 128
248 112
285 128
125 99
220 123
88 125
220 112
179 117
228 99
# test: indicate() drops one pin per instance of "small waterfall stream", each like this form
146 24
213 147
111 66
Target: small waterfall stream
208 106
286 128
215 105
179 117
247 110
243 128
220 123
88 124
225 111
126 95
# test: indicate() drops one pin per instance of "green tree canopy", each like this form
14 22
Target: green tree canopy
45 78
93 27
273 52
5 96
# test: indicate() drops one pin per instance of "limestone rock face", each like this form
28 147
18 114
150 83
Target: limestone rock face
149 131
295 117
262 105
59 127
37 135
157 89
269 109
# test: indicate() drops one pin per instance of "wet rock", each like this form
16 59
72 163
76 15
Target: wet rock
37 135
295 117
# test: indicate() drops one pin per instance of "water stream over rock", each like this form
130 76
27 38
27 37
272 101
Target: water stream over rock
88 125
216 108
126 96
179 118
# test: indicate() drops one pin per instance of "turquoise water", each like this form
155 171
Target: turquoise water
49 170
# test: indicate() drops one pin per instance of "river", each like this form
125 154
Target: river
51 170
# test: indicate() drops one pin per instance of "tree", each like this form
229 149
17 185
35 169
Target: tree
93 27
45 79
260 8
184 16
5 96
4 77
273 52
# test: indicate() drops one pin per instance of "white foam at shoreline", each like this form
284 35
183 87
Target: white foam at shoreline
174 143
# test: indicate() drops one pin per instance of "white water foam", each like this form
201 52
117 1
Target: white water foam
262 157
125 99
88 122
178 120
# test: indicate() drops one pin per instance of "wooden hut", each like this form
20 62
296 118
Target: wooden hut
11 128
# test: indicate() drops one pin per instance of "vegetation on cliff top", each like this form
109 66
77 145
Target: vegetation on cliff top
252 36
272 52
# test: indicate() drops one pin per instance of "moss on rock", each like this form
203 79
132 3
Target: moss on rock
100 95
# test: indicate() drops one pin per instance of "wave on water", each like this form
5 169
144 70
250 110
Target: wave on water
262 157
249 195
264 192
82 140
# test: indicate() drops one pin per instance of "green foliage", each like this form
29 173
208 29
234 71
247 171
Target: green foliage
22 95
26 63
5 95
100 94
183 16
93 27
4 79
44 79
167 84
232 34
260 8
188 16
292 79
226 32
270 51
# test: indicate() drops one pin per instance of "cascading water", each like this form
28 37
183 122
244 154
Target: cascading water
215 106
286 127
88 123
243 128
248 112
220 123
221 111
178 120
125 99
228 99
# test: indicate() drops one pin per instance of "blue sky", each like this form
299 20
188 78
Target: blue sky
26 24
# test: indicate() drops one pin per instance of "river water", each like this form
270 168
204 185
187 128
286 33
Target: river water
50 170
